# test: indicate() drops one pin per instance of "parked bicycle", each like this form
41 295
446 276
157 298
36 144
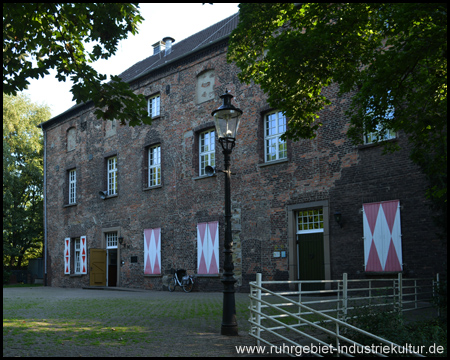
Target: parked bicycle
182 279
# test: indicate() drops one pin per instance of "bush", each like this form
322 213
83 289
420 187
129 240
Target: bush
6 276
390 326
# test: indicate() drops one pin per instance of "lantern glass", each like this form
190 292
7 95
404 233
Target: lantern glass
227 123
227 118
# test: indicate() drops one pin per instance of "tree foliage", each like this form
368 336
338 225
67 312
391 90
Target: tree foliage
391 57
22 179
42 36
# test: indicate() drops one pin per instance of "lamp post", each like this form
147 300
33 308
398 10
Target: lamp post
226 119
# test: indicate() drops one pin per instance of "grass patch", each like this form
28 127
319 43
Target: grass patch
22 285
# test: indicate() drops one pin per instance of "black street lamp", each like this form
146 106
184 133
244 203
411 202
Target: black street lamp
227 118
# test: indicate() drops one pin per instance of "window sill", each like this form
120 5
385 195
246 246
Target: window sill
111 196
372 145
204 177
275 162
70 205
75 275
152 187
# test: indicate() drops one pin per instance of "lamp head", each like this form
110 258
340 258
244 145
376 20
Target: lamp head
227 118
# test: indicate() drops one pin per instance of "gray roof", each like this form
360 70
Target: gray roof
180 49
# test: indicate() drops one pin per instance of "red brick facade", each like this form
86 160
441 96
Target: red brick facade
328 173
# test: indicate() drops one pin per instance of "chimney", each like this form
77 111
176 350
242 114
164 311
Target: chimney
158 46
168 41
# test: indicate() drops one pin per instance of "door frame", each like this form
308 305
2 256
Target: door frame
103 245
292 238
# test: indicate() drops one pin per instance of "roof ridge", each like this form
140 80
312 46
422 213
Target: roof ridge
230 19
182 45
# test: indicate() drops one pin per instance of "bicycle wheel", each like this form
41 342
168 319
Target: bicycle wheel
188 287
172 284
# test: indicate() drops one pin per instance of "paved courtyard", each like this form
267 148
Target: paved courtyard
46 321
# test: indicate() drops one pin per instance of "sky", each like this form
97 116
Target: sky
178 21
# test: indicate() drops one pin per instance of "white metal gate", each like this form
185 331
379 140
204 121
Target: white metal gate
276 318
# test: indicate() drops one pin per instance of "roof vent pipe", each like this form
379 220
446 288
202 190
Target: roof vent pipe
158 47
168 41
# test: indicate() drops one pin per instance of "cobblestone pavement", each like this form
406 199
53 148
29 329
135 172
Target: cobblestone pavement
46 321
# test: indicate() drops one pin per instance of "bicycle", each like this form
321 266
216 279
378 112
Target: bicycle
181 279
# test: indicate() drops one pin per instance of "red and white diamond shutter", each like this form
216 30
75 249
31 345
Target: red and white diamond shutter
152 251
67 256
83 254
208 248
382 236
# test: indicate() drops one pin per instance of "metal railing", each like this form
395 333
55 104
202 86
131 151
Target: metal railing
278 317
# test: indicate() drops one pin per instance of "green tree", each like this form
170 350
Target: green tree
392 58
42 36
22 179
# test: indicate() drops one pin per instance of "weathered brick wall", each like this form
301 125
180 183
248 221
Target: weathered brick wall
327 168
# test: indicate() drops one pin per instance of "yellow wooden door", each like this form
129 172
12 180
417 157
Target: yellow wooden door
97 267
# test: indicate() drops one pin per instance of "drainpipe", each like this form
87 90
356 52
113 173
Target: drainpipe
45 206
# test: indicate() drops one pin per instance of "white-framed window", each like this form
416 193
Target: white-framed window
77 255
379 135
310 221
112 175
274 127
77 246
111 240
154 166
72 186
207 150
154 106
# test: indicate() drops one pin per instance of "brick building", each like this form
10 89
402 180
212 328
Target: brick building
146 186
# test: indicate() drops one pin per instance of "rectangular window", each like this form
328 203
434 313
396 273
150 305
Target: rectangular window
77 256
67 256
72 186
154 106
111 240
207 150
310 221
381 133
382 236
112 175
154 166
372 137
274 127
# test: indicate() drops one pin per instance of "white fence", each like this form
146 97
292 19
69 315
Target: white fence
295 318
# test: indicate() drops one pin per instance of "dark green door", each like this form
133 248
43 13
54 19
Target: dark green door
311 259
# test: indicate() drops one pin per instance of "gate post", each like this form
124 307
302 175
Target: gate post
258 308
400 292
344 296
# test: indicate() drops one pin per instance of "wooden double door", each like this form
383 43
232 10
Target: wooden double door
103 267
